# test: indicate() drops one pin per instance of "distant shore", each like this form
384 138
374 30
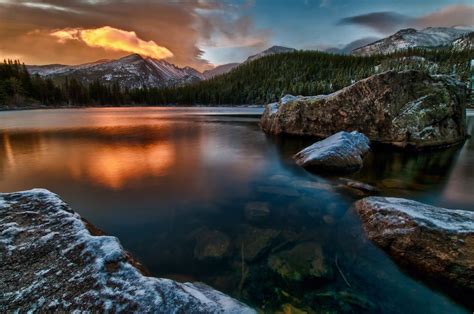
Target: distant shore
37 107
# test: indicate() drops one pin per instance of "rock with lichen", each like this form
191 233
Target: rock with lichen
405 109
51 260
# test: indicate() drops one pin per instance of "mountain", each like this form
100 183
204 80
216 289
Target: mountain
270 51
133 71
219 70
409 38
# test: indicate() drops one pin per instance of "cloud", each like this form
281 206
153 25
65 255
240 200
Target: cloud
179 25
233 32
455 15
390 22
383 22
113 39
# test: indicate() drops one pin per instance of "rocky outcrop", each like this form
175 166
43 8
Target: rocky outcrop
52 260
437 243
406 109
341 152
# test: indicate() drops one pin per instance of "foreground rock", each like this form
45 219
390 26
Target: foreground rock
406 109
50 261
341 152
436 242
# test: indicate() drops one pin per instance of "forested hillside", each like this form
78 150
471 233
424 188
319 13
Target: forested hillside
257 82
20 89
304 73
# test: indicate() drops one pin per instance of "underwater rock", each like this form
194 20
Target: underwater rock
51 260
305 261
436 242
211 245
405 109
364 187
255 241
256 211
341 152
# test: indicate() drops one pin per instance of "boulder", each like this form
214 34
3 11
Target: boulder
51 260
437 243
405 109
341 152
305 261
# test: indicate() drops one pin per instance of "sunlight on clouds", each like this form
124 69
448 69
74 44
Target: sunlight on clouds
113 39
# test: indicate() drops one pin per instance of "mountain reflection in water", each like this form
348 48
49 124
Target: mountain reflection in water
170 181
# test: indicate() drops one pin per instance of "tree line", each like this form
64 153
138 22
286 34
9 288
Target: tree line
261 81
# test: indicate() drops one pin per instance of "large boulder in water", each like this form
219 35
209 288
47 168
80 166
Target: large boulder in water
341 152
406 109
51 260
435 242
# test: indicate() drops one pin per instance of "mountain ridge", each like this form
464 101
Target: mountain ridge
136 71
429 37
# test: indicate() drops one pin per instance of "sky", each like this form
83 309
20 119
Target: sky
205 33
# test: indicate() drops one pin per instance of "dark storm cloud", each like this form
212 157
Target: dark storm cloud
383 22
390 22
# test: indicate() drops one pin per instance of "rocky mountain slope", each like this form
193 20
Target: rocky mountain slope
219 70
410 38
132 71
135 71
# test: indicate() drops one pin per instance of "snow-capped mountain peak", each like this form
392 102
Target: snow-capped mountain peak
410 38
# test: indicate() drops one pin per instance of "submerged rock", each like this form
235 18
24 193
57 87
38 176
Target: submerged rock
406 109
211 245
305 261
341 152
436 242
255 242
52 260
364 187
256 211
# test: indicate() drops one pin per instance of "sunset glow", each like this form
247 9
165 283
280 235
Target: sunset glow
113 39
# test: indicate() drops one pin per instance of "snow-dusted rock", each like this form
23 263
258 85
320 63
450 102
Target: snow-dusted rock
341 152
437 243
52 260
405 109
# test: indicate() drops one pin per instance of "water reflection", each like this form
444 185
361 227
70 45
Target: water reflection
192 194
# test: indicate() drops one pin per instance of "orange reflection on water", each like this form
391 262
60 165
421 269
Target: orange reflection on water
115 166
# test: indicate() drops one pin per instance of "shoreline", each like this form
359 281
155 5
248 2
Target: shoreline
127 106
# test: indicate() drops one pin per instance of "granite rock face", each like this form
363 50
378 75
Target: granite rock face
406 109
52 260
341 152
437 243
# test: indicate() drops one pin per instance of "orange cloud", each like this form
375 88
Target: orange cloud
113 39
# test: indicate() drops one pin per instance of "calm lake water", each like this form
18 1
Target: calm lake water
173 185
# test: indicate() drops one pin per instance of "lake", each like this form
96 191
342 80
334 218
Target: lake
202 194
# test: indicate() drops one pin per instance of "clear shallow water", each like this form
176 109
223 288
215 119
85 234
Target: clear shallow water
167 181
